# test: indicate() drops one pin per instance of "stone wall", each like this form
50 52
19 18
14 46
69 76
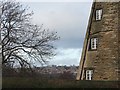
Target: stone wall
119 43
106 59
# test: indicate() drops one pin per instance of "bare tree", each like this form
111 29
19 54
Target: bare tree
23 42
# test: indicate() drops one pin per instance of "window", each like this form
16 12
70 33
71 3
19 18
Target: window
98 14
89 74
93 43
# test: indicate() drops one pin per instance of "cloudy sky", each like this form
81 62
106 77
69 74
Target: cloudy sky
69 18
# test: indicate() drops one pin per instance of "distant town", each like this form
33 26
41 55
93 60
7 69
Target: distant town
57 70
53 71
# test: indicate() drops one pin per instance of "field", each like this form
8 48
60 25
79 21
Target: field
23 82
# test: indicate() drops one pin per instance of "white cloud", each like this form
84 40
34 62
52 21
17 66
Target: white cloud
68 0
67 57
65 18
70 21
54 0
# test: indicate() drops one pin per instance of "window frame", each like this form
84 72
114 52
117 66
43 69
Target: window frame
88 74
93 44
99 13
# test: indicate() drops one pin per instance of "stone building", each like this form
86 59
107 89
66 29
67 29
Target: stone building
100 58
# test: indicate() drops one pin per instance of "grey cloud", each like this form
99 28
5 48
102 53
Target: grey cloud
70 43
70 21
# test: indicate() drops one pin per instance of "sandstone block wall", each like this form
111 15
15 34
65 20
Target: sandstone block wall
106 59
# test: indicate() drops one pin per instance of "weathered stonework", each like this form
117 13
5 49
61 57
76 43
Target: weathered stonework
105 60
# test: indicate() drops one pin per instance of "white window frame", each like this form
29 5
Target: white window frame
99 14
94 42
89 74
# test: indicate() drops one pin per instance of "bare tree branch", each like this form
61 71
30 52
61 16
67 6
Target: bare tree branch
20 36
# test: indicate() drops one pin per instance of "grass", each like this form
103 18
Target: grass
23 82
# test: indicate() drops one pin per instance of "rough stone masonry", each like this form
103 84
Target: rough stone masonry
103 35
